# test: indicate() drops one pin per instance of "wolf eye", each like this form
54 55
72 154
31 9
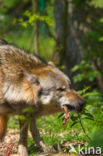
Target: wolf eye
61 89
43 92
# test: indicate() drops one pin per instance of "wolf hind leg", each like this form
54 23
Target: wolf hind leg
3 125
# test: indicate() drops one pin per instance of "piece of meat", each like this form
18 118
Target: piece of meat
66 115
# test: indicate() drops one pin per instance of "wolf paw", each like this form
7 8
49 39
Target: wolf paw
49 149
22 150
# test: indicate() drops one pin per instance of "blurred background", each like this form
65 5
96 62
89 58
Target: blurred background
69 33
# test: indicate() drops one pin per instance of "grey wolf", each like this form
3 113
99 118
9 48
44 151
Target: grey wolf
27 81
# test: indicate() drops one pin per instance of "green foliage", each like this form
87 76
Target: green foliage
81 3
22 117
86 72
76 119
87 75
97 139
92 43
46 48
27 114
53 132
31 18
10 4
94 98
29 110
17 26
96 3
33 149
78 3
13 122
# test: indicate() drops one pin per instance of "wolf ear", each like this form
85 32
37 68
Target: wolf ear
32 78
51 64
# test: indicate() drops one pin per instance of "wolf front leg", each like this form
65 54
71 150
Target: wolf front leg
22 148
36 136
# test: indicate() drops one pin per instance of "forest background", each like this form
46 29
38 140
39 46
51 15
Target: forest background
69 33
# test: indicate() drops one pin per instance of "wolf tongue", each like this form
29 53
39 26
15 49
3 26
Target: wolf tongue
66 115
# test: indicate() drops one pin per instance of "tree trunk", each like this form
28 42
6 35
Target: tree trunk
67 51
72 24
73 46
60 13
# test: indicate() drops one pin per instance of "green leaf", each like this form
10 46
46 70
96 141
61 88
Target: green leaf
61 115
62 67
101 39
89 115
22 117
96 3
27 13
28 110
74 123
10 4
24 24
101 20
79 78
90 94
88 118
75 68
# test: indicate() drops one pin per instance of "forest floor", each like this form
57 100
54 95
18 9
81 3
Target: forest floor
12 136
52 133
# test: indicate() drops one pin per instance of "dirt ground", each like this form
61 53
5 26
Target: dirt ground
12 136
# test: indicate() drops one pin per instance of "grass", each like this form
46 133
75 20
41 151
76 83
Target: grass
53 133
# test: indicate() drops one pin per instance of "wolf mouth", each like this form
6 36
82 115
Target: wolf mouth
66 108
72 108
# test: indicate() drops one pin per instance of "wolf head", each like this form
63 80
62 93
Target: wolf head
55 89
